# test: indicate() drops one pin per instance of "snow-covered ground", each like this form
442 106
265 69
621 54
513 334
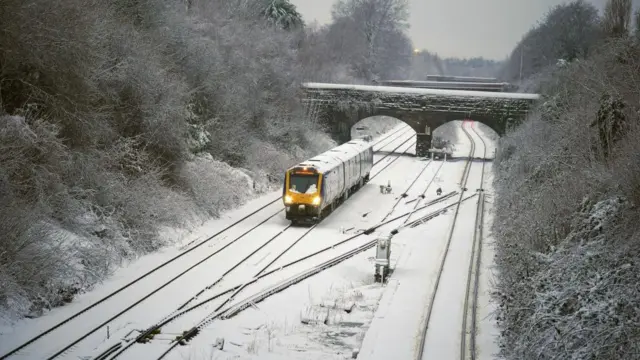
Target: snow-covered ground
323 317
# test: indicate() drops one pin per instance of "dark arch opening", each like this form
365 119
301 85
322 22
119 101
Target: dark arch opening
450 132
374 126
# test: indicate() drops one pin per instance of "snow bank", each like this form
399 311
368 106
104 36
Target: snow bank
215 185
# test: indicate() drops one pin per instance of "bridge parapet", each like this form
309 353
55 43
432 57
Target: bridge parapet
449 85
461 78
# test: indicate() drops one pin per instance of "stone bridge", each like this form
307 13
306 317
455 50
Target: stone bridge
340 106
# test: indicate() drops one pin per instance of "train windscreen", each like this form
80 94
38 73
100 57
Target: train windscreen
303 184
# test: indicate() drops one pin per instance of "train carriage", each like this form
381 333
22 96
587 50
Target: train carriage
315 187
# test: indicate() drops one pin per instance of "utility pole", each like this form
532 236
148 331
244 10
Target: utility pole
521 58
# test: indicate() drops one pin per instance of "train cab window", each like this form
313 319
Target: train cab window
303 184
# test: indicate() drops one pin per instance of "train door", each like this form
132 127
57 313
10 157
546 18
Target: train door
352 174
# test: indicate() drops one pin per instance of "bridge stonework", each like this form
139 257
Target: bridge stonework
339 107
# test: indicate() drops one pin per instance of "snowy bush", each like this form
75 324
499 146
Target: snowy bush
567 190
215 186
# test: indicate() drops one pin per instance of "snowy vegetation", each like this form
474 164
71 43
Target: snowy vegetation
568 190
121 117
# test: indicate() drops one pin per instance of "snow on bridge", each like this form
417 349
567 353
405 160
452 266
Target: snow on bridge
422 91
453 85
461 78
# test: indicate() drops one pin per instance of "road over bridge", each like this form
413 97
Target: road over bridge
449 85
461 78
340 106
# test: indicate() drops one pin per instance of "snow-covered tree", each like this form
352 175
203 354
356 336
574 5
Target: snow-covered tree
617 17
636 29
283 13
567 194
569 31
371 33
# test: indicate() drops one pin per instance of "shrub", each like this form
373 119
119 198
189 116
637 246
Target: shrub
566 222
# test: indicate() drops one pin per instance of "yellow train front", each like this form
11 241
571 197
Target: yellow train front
302 195
315 187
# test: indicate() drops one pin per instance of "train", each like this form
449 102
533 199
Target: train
315 187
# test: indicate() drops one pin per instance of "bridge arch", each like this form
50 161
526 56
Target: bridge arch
448 131
374 126
339 122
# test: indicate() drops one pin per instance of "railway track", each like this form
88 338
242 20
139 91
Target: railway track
394 159
184 309
60 326
404 130
222 312
118 349
422 196
404 193
469 322
467 333
116 352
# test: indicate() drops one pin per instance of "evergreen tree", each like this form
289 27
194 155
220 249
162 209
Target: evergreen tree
283 13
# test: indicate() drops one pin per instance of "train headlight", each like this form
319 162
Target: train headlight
288 199
316 200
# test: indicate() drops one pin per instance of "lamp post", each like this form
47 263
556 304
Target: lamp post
522 48
415 62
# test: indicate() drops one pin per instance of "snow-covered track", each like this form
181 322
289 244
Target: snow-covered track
242 261
68 321
406 150
116 350
222 312
404 193
422 196
392 152
233 292
474 259
404 130
469 319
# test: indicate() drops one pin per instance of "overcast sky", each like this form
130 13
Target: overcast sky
461 28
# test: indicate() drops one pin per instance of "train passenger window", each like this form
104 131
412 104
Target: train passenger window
303 184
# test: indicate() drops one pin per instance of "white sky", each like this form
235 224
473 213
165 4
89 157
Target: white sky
461 28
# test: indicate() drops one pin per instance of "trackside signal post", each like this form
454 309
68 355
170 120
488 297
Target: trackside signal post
383 256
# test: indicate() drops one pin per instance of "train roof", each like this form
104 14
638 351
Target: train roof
334 157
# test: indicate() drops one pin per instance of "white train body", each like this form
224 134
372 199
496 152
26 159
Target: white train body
336 174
